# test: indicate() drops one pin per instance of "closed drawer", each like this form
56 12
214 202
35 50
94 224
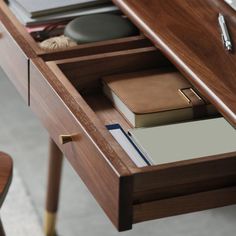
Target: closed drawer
66 96
14 62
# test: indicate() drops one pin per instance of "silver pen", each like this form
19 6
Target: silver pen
225 33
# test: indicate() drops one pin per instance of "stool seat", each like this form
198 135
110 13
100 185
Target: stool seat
6 168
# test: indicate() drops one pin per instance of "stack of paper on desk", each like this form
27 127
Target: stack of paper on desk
44 7
184 141
26 19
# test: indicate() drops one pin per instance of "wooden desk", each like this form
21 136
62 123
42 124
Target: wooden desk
55 85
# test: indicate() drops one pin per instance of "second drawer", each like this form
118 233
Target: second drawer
66 97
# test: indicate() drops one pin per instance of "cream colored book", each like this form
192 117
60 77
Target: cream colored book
155 97
185 141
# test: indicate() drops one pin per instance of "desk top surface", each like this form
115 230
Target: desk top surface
188 33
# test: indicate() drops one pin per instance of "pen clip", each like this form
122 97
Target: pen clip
224 33
223 40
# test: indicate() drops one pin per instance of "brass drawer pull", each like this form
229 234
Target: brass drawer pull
191 96
66 138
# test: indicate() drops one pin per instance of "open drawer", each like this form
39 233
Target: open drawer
16 42
30 44
67 97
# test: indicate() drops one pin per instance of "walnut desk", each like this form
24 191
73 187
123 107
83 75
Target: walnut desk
62 89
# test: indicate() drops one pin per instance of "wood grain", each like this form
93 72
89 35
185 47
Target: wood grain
185 204
85 73
105 110
17 31
187 32
32 49
183 172
126 193
14 62
177 190
97 47
6 168
108 180
54 177
149 183
170 181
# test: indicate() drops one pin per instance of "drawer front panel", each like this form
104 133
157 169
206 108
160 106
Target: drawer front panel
184 204
14 62
98 47
103 182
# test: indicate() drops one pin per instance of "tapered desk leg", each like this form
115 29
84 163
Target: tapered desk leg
2 232
53 188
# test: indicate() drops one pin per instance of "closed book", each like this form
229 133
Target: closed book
44 7
127 144
58 17
185 141
155 97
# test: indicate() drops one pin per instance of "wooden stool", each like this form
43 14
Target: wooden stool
6 167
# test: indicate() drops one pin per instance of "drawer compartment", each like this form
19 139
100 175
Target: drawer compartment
31 43
83 154
149 192
14 62
96 48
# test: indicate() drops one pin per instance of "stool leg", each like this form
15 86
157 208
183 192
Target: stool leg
53 188
2 232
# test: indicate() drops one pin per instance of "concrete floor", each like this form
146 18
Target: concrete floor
25 139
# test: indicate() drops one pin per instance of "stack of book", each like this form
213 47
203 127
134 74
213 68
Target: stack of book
128 145
150 101
32 13
176 142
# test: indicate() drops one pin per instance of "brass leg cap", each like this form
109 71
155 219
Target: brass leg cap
50 224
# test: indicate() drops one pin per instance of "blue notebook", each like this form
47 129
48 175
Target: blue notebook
127 144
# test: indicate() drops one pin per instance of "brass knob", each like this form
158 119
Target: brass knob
66 138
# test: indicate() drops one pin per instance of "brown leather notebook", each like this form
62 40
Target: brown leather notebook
155 97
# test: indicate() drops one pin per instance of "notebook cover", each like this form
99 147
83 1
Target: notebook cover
45 7
26 20
150 91
185 141
187 32
143 160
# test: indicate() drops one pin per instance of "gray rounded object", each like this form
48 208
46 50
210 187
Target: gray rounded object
99 27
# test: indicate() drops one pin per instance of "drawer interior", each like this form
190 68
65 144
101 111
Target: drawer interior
93 48
118 44
85 74
87 79
33 40
157 183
